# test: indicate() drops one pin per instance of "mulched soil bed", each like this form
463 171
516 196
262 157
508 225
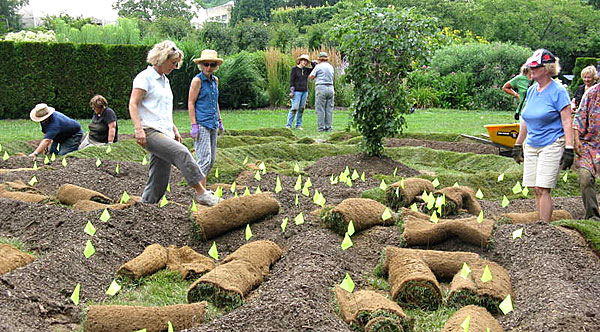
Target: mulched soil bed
554 274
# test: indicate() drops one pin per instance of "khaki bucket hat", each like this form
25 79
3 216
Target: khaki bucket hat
208 55
41 112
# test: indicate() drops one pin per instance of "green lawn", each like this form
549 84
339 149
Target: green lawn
421 122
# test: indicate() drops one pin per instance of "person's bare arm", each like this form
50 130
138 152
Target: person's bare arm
137 95
41 147
567 123
509 89
195 86
112 130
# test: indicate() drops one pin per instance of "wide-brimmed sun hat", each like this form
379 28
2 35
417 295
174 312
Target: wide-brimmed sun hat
41 112
539 58
209 55
323 55
303 57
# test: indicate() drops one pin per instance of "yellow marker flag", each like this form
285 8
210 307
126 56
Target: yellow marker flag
296 200
46 159
464 272
217 172
248 233
480 217
350 228
33 181
169 327
487 329
430 201
245 161
487 274
466 323
98 162
347 284
5 156
168 187
387 214
455 184
397 192
108 149
124 197
213 252
89 249
363 177
505 201
506 306
219 192
355 175
435 182
383 186
0 147
334 180
347 242
402 184
233 187
257 191
565 177
347 171
64 162
53 157
89 229
500 177
308 183
414 207
35 166
75 295
517 188
257 176
305 191
296 168
525 192
298 184
434 218
262 166
343 177
517 233
113 289
278 185
395 171
316 196
144 161
246 192
142 330
299 220
321 201
163 201
439 201
284 223
105 215
194 208
349 182
479 194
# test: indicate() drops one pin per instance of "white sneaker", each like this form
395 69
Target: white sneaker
208 199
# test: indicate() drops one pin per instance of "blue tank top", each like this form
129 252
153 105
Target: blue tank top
206 103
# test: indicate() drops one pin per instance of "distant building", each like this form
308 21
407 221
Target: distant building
221 14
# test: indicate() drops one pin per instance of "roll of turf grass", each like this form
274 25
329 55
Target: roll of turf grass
363 212
480 320
398 197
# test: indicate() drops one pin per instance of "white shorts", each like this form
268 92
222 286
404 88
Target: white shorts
542 165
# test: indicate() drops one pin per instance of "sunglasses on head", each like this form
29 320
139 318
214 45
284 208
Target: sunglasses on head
209 64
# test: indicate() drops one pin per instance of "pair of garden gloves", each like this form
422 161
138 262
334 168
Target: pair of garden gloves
566 161
194 131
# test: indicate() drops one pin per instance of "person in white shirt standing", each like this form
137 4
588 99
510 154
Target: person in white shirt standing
151 111
324 92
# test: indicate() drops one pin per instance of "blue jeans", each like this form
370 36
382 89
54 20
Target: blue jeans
69 145
298 104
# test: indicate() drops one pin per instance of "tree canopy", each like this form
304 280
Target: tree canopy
9 19
151 10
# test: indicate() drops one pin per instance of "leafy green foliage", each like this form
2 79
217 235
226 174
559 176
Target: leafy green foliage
302 16
259 10
125 31
9 19
150 10
251 35
384 43
241 83
218 37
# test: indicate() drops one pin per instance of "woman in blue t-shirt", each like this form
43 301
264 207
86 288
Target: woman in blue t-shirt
546 129
204 112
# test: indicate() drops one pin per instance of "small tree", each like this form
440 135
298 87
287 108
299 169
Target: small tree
381 45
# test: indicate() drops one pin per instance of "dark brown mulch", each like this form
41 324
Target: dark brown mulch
462 146
555 276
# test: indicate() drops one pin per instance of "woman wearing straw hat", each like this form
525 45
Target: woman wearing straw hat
151 111
324 92
61 133
204 111
298 91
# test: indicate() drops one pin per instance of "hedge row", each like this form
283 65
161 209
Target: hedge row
66 76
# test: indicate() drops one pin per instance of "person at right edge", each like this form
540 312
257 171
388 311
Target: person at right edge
587 144
546 130
324 92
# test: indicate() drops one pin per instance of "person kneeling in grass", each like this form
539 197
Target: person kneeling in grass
61 133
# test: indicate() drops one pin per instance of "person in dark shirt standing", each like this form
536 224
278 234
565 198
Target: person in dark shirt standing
58 128
103 128
298 91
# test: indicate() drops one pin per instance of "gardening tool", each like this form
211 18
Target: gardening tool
502 136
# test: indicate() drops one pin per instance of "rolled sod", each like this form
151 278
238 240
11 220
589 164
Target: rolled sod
360 307
384 324
151 260
226 285
480 320
420 231
87 206
364 213
413 284
189 263
458 198
233 213
12 258
474 291
70 194
443 264
261 254
398 197
533 217
24 196
120 318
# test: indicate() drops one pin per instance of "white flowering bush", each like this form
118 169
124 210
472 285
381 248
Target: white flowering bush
30 36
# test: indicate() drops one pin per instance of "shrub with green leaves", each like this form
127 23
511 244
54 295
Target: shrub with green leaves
381 44
241 83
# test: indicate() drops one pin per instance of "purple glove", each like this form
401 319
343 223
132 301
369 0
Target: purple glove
221 127
292 90
194 132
